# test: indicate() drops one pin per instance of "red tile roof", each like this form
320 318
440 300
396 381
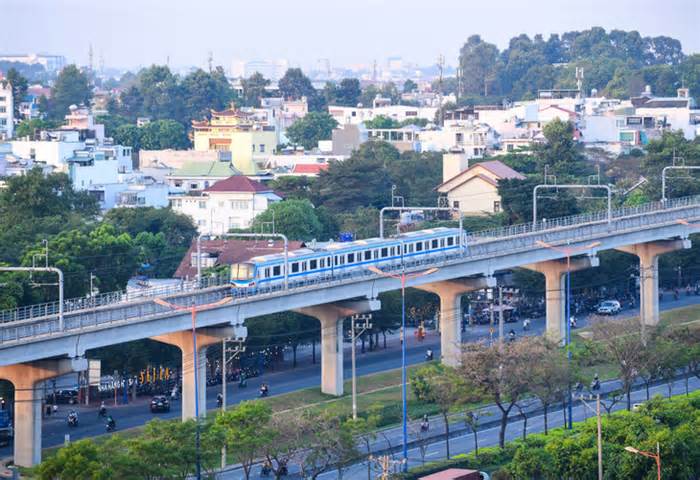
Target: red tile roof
309 168
238 183
230 251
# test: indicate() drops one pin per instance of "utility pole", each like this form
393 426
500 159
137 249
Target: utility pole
210 61
235 352
355 332
500 315
386 464
441 66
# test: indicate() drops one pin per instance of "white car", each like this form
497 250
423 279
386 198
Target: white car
609 307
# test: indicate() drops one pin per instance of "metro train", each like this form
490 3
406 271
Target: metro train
334 259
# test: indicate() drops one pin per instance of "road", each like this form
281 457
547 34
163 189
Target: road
283 380
463 441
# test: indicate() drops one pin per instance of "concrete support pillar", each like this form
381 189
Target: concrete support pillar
28 398
185 342
554 272
331 316
450 293
648 254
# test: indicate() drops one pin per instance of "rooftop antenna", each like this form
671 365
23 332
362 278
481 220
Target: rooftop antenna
90 56
167 60
210 60
374 71
441 66
579 81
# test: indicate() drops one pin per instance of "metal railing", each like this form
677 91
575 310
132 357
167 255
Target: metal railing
84 312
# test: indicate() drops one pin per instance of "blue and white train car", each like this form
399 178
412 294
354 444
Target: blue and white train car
337 259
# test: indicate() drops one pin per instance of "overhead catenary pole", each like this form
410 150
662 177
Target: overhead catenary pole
607 188
57 271
462 240
673 167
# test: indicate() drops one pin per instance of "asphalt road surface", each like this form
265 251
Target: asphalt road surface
283 380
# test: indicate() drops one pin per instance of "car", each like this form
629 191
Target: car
609 307
69 396
160 403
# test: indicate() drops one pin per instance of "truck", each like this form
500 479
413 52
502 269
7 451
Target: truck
6 430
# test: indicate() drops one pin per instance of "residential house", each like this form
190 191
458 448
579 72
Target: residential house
232 130
196 176
228 251
473 189
230 203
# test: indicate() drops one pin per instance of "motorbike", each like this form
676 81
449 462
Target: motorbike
111 426
72 420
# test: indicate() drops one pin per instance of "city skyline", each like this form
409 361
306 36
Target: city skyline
71 26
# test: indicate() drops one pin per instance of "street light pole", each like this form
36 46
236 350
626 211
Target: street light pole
403 277
193 310
599 434
237 350
354 336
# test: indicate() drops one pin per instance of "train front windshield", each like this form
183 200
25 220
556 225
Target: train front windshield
242 272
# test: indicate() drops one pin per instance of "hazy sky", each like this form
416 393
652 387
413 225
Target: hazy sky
129 33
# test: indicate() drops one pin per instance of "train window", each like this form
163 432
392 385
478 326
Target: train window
340 259
450 241
322 263
434 244
385 252
368 254
351 257
375 254
242 271
267 272
419 246
295 267
442 242
276 270
427 245
313 264
303 266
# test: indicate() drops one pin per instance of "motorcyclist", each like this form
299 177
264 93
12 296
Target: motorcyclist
424 424
219 400
264 390
526 324
266 469
73 418
572 321
429 355
511 335
103 410
111 424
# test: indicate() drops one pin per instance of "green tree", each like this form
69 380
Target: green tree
204 91
72 87
439 385
128 135
363 222
79 460
254 89
295 188
296 219
163 134
29 128
161 93
416 175
382 121
294 85
360 181
477 60
348 92
312 128
19 88
409 86
246 429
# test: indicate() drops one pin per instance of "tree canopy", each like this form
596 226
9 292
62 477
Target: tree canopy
72 87
312 128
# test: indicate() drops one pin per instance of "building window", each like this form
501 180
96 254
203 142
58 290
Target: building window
3 109
496 206
194 186
202 204
455 204
262 148
240 204
202 223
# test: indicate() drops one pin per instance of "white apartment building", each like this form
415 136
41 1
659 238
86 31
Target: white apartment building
230 203
51 63
357 115
7 118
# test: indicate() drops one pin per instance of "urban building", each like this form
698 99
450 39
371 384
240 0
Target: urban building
196 176
400 113
232 130
230 203
7 116
473 189
52 63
